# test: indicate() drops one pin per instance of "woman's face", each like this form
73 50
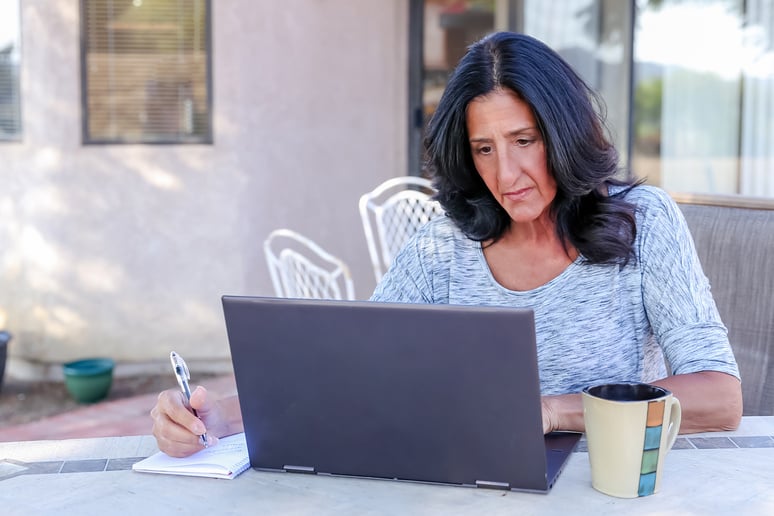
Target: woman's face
509 154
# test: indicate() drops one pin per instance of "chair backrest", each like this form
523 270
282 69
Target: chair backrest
735 244
300 268
392 213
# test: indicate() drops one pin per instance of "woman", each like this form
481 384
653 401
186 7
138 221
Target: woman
535 218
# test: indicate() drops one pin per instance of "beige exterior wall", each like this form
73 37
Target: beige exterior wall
125 250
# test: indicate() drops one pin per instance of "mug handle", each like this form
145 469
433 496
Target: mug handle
675 417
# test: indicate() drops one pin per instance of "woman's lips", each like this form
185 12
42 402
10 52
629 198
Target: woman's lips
517 195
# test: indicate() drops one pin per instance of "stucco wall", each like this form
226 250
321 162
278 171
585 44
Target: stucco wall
125 250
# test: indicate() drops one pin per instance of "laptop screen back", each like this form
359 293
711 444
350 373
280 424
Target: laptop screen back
432 393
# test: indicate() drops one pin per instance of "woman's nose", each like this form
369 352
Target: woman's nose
508 169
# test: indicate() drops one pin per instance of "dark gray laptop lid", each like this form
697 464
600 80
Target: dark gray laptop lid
433 393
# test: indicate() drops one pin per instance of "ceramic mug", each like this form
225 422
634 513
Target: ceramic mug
630 427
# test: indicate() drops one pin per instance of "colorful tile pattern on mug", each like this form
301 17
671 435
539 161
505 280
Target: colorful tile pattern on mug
653 427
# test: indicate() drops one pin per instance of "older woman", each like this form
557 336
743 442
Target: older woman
535 218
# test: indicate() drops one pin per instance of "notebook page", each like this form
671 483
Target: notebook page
226 459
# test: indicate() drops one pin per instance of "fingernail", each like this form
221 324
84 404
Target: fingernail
199 429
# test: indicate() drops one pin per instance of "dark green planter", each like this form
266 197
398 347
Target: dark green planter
89 380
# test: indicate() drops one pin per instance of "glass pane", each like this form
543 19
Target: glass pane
688 93
757 141
147 71
449 27
10 103
594 37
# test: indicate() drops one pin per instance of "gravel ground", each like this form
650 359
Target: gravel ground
22 402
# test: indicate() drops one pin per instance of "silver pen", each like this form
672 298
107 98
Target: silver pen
183 375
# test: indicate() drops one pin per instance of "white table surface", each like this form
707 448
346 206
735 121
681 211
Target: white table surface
46 477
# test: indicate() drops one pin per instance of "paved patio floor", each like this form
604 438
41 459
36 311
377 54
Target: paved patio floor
126 416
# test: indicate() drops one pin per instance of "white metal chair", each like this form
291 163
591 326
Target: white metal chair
392 213
300 268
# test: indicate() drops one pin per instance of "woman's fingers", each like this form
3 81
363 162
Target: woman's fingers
175 427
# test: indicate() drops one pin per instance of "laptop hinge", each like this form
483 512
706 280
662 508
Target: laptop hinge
299 469
486 484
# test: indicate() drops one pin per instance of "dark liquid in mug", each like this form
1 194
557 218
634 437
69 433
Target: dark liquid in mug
627 391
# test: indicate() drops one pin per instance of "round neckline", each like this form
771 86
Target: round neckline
545 286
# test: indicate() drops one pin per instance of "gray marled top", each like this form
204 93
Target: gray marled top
594 323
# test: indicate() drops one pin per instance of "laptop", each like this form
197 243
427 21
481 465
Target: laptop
428 393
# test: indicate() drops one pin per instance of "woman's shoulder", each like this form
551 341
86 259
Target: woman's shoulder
650 202
641 194
444 233
436 244
660 221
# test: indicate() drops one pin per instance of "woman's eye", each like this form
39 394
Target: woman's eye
523 142
484 150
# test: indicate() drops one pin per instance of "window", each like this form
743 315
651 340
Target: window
146 71
10 104
703 111
690 105
439 35
592 35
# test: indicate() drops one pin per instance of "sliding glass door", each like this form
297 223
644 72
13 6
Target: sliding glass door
593 35
688 85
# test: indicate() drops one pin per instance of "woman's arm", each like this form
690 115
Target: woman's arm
710 401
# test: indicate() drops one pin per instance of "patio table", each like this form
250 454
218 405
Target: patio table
711 473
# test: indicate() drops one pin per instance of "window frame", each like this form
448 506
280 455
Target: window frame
18 135
204 139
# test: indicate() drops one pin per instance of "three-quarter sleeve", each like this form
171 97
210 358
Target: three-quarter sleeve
676 293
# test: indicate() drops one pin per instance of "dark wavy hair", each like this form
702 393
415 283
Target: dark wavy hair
579 154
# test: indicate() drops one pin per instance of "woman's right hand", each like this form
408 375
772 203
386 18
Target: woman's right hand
177 429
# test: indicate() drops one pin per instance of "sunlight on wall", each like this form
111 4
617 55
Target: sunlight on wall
100 275
159 177
200 313
48 158
44 199
61 322
38 253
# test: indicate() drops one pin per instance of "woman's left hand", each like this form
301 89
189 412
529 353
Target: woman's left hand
562 412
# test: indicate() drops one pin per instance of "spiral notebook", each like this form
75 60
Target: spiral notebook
227 459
